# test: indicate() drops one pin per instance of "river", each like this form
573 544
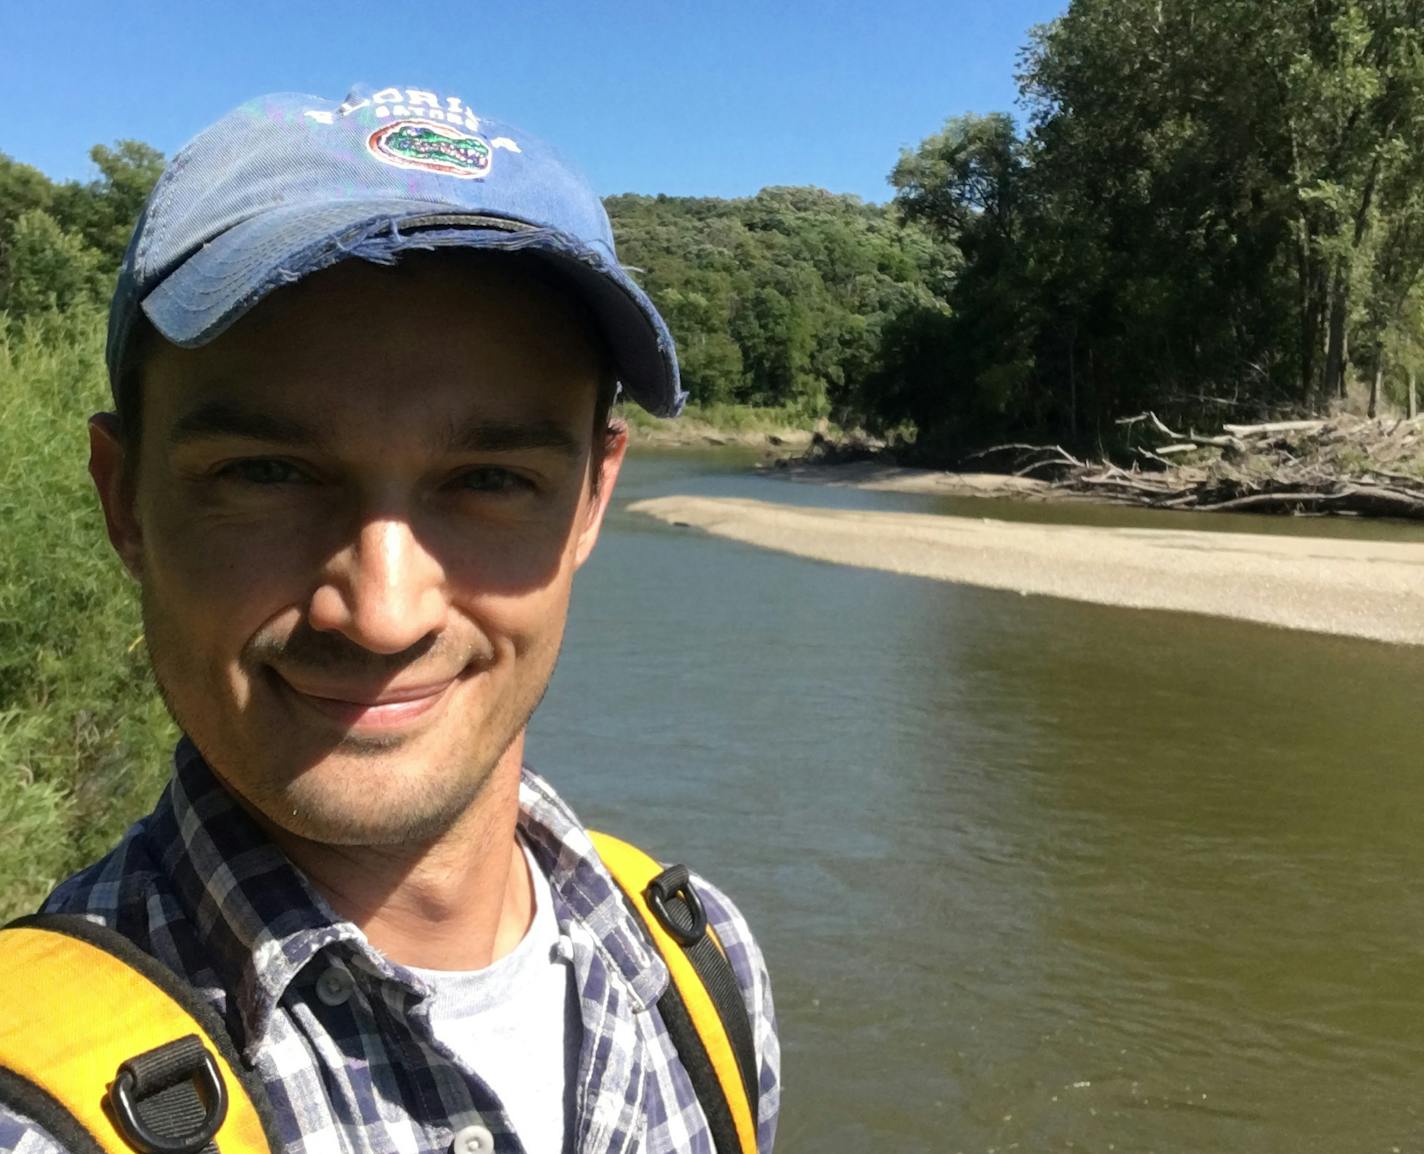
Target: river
1030 874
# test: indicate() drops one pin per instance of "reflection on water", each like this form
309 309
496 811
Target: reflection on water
1031 874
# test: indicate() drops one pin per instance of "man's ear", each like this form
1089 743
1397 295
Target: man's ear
110 469
614 449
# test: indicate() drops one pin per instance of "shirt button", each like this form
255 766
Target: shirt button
472 1140
334 986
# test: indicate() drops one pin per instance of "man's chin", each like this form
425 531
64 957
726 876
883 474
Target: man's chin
368 745
366 816
366 791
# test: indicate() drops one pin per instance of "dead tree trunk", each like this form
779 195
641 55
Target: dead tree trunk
1341 387
1335 339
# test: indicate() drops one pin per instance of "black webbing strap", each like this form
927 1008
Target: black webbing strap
170 1100
675 903
693 1054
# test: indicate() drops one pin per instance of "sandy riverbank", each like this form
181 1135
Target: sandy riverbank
893 479
1371 589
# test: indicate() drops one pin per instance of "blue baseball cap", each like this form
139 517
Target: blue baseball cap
289 184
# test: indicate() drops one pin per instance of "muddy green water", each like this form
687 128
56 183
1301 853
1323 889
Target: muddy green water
1031 875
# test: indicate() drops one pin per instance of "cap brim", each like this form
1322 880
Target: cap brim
220 282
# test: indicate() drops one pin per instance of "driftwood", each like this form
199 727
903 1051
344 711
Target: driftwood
1275 427
1152 420
1039 458
1346 465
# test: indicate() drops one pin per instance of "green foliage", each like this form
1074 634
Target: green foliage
1211 202
61 244
965 182
22 189
778 299
104 210
719 417
83 736
47 268
966 186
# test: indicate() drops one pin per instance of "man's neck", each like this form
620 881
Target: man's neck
459 902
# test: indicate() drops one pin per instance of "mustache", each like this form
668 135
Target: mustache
334 655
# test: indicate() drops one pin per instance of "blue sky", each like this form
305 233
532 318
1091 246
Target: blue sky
715 99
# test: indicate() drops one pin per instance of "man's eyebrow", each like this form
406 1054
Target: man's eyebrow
502 437
214 419
225 419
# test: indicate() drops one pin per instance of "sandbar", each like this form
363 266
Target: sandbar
880 477
1370 589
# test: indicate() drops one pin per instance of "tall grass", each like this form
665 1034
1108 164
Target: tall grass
83 738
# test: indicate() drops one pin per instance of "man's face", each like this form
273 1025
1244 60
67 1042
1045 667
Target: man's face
356 520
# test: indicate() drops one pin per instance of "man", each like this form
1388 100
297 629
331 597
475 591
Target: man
363 356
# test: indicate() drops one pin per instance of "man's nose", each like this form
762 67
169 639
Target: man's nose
384 590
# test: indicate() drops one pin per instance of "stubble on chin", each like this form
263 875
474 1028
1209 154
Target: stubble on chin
357 789
333 788
361 800
361 789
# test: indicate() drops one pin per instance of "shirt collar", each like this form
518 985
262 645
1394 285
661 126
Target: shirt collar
260 921
584 891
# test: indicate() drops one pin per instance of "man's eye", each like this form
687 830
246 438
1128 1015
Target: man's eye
494 480
262 471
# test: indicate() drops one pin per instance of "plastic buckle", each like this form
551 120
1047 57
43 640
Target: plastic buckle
133 1130
672 883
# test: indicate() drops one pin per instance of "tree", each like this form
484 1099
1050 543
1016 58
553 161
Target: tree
103 211
46 268
965 186
21 188
61 244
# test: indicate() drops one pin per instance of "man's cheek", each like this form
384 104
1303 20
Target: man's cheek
216 600
225 556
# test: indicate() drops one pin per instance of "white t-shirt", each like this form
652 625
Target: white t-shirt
516 1023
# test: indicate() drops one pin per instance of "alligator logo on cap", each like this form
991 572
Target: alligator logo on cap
430 147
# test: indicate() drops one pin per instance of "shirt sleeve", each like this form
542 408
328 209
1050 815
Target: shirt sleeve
20 1135
749 966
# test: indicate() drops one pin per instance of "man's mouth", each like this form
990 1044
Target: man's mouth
390 707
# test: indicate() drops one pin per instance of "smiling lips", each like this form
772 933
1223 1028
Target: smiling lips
387 709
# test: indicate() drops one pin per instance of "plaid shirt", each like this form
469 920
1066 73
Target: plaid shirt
198 886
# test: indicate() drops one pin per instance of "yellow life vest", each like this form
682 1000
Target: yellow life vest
112 1053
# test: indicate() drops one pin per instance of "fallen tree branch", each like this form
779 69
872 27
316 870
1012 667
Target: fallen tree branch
1234 443
1258 500
1018 446
1152 419
1275 427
